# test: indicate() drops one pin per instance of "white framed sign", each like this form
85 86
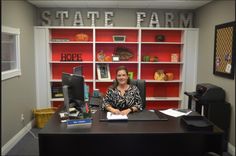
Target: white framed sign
119 38
115 58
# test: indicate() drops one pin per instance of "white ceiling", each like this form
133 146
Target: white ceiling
157 4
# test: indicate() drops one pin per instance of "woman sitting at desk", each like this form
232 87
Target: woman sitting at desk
122 98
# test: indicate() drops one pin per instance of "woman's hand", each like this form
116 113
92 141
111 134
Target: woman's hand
125 111
115 111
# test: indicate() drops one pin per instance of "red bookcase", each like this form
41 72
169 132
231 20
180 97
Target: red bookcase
65 51
162 94
68 51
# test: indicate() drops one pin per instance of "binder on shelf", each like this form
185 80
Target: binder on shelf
78 70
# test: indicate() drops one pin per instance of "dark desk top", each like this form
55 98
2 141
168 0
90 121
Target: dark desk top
172 125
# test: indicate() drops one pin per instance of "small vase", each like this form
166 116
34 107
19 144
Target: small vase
160 38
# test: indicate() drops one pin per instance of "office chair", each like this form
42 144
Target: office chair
141 84
211 154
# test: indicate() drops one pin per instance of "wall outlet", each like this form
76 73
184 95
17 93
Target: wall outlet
22 117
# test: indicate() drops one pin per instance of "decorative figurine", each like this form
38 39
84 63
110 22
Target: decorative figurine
160 38
160 75
154 59
170 76
101 56
81 37
124 53
146 58
107 58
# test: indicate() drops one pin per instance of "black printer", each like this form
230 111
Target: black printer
210 102
205 94
209 92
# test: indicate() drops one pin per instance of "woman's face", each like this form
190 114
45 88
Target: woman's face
122 77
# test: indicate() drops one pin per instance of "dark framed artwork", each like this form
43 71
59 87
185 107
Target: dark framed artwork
224 50
103 72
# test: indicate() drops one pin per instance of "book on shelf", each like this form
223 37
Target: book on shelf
57 92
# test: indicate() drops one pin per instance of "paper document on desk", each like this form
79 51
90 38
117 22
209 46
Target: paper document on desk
175 113
111 116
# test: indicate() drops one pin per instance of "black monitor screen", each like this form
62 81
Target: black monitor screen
75 85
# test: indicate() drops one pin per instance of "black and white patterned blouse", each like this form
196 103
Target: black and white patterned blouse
130 98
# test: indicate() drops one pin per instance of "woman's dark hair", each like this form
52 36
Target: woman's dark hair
117 70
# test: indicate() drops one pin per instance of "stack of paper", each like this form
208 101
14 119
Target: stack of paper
175 113
111 116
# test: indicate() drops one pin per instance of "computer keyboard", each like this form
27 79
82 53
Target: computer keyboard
95 101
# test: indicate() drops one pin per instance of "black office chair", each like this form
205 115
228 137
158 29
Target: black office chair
141 84
211 154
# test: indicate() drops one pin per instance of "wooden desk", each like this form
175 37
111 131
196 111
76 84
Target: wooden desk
159 138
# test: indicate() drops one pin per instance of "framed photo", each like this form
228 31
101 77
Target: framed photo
224 50
115 58
103 72
174 57
119 38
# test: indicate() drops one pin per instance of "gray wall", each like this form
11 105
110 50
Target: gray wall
18 93
216 12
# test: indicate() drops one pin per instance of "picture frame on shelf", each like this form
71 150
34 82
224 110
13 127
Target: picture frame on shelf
115 58
224 48
103 72
119 38
174 57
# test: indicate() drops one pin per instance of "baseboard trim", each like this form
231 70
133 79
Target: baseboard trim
231 149
15 139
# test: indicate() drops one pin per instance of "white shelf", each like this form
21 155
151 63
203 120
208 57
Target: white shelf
80 62
180 43
162 62
57 99
163 99
104 81
169 81
69 42
98 42
59 80
123 62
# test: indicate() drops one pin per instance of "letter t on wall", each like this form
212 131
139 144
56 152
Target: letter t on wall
92 14
61 14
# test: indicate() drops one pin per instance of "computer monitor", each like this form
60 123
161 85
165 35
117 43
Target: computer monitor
73 90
